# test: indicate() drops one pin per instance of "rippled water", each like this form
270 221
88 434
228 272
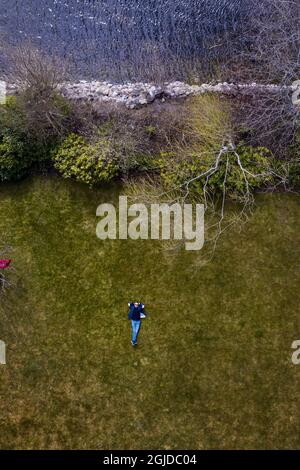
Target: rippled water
126 39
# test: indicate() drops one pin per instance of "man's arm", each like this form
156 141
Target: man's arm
130 305
142 311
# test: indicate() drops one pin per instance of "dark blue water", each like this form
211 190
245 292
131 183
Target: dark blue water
128 39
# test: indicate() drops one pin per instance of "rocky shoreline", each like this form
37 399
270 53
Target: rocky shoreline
136 95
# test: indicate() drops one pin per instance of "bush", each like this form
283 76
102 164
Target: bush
89 163
13 165
40 118
12 117
256 161
18 149
29 131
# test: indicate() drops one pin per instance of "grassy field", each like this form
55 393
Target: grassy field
213 368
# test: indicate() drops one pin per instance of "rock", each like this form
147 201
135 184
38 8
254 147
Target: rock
135 95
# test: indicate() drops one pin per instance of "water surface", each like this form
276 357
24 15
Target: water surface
127 39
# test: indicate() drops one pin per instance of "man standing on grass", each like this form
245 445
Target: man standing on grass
136 312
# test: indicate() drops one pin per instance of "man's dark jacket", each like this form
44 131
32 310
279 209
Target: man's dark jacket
135 312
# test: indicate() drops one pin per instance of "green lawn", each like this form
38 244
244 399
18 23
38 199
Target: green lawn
213 368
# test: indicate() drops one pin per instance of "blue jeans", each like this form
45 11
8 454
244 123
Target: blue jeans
135 325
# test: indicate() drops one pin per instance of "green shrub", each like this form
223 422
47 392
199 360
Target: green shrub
39 118
88 163
12 117
19 148
151 130
257 161
13 161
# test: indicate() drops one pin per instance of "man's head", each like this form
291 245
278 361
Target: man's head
136 304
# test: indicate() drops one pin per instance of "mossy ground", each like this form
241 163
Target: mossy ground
213 368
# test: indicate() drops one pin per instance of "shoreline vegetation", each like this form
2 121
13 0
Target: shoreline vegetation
177 143
211 146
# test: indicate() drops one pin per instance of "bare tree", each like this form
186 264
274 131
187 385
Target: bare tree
266 119
275 38
31 67
37 78
268 51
